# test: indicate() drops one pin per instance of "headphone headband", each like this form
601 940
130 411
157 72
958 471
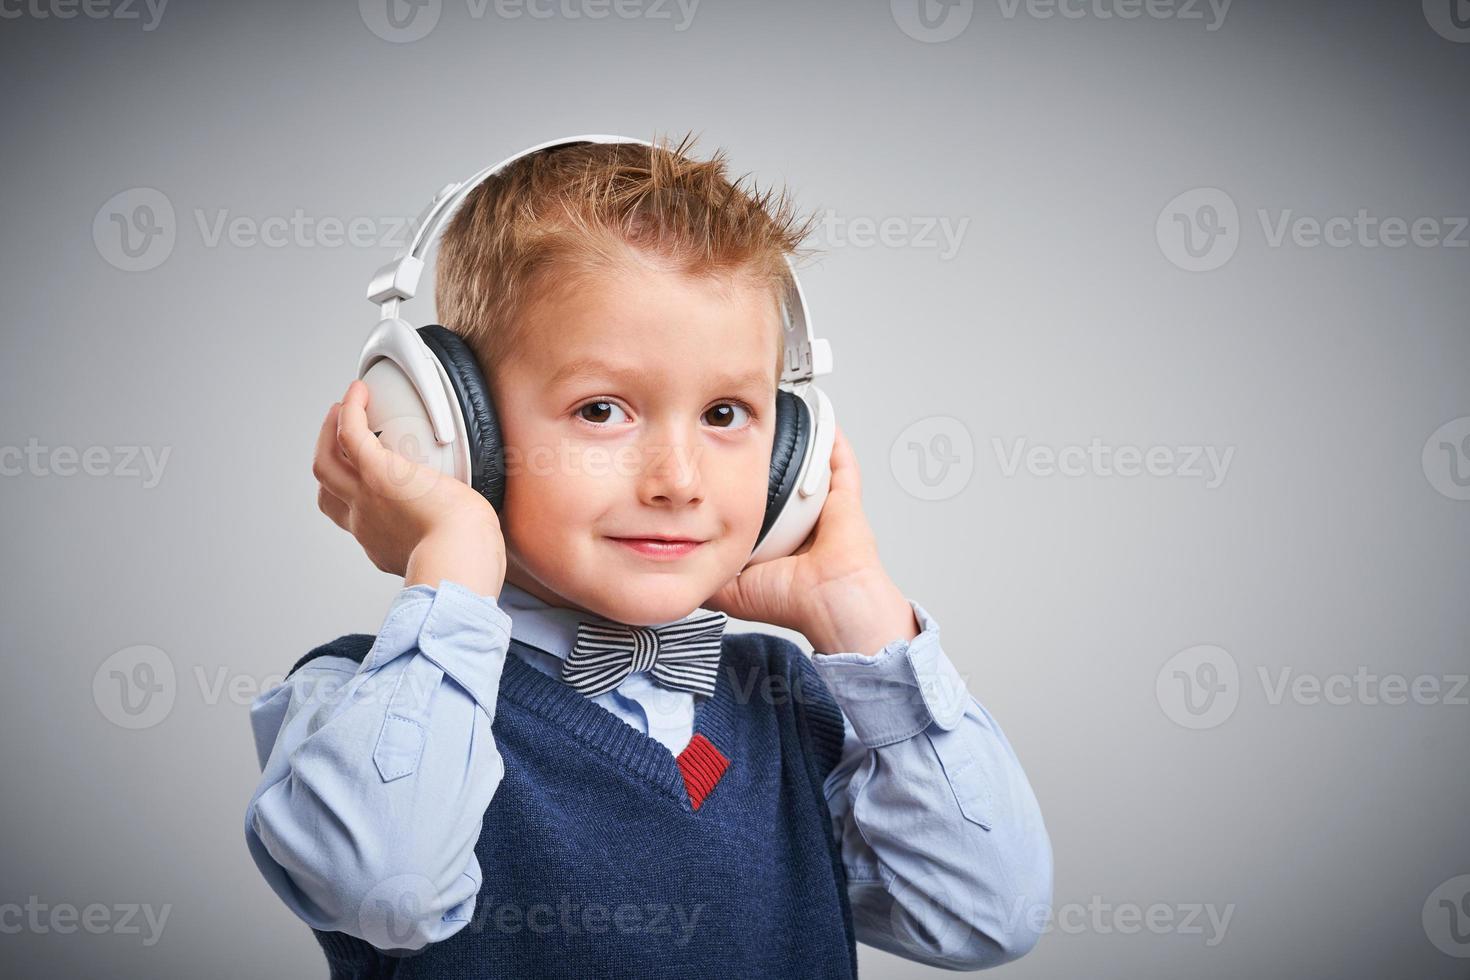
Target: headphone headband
398 281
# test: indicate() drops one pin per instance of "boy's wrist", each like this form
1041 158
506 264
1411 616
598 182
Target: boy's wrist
863 618
470 558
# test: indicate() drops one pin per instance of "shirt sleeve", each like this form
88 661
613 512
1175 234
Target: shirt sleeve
376 776
948 860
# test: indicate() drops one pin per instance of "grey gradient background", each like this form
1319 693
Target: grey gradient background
1323 828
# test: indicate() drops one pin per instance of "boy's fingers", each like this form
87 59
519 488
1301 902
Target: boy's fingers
845 475
333 506
329 466
377 468
353 435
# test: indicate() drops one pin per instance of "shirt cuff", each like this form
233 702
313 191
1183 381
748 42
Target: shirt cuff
899 692
455 628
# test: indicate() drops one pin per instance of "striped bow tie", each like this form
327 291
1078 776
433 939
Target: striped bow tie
683 656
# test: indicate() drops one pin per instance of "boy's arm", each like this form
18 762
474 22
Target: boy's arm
376 776
947 857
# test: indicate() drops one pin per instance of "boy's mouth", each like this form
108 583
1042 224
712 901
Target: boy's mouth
659 548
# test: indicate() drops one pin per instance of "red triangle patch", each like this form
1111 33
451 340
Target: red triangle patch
702 765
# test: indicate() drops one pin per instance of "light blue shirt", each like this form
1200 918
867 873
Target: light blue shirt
948 860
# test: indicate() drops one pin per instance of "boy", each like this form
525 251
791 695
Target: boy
486 788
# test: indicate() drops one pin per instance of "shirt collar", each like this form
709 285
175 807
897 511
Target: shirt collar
543 626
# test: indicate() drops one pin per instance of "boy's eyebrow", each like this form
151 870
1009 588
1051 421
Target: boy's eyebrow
586 367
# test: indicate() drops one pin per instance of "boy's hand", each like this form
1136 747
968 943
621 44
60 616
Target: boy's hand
411 519
833 589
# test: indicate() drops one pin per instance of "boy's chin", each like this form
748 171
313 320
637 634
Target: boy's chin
657 599
651 598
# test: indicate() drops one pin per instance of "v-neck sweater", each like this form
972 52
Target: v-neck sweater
604 855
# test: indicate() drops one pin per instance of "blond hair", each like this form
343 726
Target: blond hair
574 209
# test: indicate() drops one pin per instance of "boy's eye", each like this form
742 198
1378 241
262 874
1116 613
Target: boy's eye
721 415
598 409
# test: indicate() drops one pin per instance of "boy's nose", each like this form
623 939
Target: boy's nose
671 470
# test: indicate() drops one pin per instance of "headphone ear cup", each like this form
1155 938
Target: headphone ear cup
482 426
788 451
397 415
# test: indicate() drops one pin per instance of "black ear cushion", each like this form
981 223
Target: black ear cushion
793 432
475 406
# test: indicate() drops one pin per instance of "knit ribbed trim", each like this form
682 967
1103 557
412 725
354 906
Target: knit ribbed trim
351 956
702 766
823 715
590 723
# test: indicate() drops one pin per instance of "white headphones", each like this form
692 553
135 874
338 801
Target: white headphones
429 399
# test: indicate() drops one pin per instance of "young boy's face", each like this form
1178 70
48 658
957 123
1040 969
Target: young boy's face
666 430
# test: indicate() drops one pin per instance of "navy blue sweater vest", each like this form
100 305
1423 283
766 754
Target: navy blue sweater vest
604 855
